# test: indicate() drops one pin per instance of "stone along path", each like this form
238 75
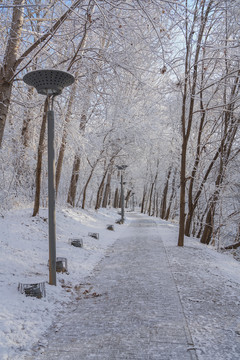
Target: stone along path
130 308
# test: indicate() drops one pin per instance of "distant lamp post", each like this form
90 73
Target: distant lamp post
121 168
50 83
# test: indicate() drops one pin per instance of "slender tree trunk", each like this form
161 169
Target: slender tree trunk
77 158
150 200
100 192
107 191
26 121
72 192
39 160
151 190
127 198
143 200
208 227
191 206
194 201
182 194
86 185
157 204
164 196
116 199
201 224
74 180
65 134
230 127
22 167
146 206
237 238
226 151
154 203
171 196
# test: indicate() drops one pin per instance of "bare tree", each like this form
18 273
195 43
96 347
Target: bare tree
11 60
194 30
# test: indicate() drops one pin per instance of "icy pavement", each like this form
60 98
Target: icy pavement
128 309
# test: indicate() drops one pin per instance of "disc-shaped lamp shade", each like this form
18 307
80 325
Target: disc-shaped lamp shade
122 167
48 82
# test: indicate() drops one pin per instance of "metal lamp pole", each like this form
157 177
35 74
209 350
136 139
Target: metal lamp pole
51 196
121 168
50 83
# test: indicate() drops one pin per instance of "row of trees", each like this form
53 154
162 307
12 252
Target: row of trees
157 88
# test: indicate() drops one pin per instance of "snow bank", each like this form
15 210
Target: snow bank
24 258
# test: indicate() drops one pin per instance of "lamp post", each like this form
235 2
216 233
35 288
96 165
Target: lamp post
121 168
50 83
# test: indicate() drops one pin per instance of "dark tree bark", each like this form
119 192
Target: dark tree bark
173 193
230 127
7 70
107 191
100 191
116 199
87 183
164 196
127 198
39 160
74 181
143 200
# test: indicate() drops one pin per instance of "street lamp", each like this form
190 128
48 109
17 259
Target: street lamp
121 168
50 83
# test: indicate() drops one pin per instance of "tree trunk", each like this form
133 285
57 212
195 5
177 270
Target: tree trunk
116 199
39 160
171 196
186 122
74 180
164 196
150 200
157 204
65 133
143 200
127 198
81 46
9 63
77 157
182 194
85 187
151 190
100 192
230 127
146 202
107 191
26 121
191 206
208 228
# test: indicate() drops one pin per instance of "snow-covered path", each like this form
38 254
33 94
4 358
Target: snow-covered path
129 309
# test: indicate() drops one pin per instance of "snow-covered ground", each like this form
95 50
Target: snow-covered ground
24 259
208 282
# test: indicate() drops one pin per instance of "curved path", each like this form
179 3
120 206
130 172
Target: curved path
130 308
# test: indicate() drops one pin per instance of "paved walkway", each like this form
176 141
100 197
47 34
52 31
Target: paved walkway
130 308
